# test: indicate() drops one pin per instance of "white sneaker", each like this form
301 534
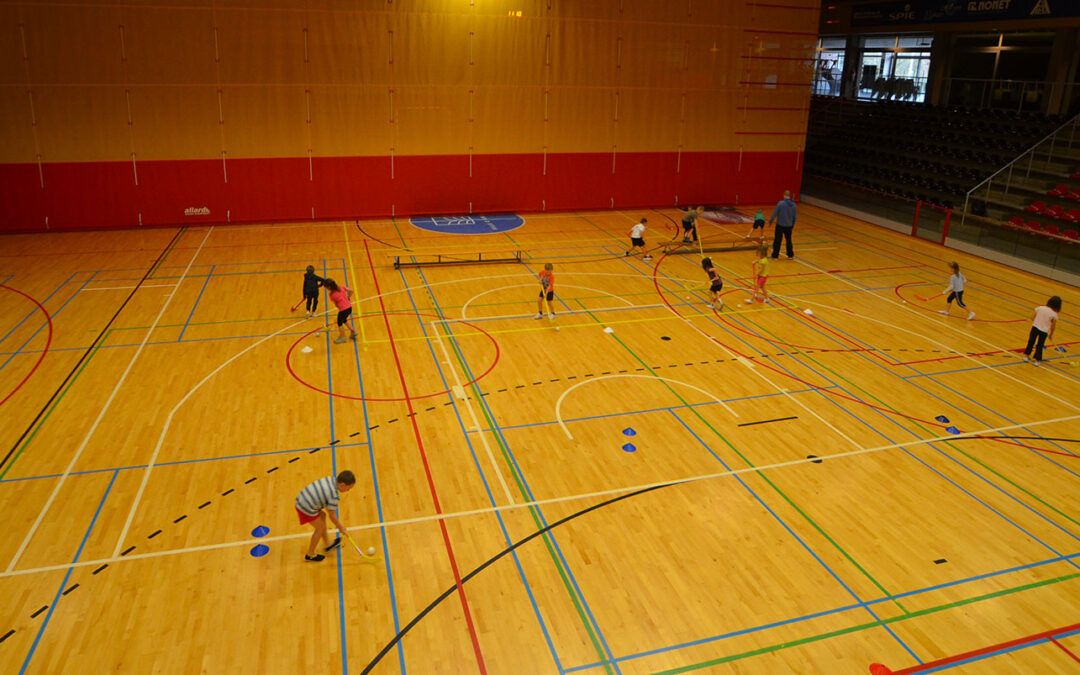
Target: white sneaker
719 304
942 311
648 257
971 316
551 317
538 316
1026 358
709 305
1037 363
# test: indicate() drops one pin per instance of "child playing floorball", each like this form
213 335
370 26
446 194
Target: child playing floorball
311 290
956 291
761 273
339 295
1043 323
637 240
759 223
547 291
716 284
689 224
317 501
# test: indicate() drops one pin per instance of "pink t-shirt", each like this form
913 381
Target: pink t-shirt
340 297
1044 318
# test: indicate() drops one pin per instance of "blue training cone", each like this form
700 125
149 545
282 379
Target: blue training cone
629 447
629 432
942 419
952 430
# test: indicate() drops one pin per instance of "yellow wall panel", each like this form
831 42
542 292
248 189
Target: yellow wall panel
265 121
583 54
580 120
648 121
11 57
160 133
349 47
709 122
651 11
82 124
651 57
261 47
18 145
431 120
169 45
508 51
73 45
602 10
508 120
430 49
350 121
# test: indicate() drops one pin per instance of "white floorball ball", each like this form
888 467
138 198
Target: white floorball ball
371 550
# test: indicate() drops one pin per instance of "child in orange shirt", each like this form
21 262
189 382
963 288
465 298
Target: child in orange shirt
547 290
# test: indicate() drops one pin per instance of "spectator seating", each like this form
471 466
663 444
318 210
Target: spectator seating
1036 206
1058 191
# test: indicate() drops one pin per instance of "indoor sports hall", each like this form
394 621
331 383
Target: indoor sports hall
850 474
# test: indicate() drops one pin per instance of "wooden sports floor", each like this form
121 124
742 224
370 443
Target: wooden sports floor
816 492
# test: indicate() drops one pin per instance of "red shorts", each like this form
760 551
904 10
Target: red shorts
761 281
305 518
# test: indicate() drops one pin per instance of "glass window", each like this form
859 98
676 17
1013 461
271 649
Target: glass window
895 67
880 42
829 66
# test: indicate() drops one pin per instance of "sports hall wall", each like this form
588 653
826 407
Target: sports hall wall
121 114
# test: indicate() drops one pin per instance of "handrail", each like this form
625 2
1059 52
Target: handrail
1022 155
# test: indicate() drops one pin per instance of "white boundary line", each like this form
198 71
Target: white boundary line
539 502
101 414
119 288
558 404
465 307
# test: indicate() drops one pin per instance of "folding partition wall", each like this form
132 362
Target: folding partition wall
134 113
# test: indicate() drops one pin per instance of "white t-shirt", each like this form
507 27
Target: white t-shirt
637 231
1044 318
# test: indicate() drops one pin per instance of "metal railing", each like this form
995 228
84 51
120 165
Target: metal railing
1019 95
1048 143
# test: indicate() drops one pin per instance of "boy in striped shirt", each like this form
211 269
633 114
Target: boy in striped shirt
315 502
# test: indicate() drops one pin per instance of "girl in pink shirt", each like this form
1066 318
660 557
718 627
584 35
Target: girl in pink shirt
339 295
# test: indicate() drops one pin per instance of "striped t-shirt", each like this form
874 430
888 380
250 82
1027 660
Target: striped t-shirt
321 494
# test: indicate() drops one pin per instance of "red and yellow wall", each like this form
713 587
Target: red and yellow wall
131 112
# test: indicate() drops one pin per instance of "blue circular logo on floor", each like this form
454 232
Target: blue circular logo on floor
469 224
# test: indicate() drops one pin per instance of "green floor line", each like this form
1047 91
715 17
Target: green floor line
865 626
168 252
533 511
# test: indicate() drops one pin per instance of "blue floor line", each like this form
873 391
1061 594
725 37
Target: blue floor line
378 501
35 310
334 472
44 324
67 577
203 290
483 478
178 461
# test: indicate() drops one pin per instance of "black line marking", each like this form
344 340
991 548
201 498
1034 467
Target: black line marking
412 413
93 346
43 608
448 403
7 635
705 363
606 372
588 375
642 368
156 533
272 470
228 491
334 442
815 459
622 371
392 421
689 364
250 480
520 386
433 407
450 591
778 419
536 383
179 519
674 365
204 505
372 428
100 568
555 380
358 433
484 393
940 560
294 459
313 451
133 548
572 377
500 391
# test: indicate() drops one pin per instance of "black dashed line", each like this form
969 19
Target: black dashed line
313 451
642 368
228 491
555 380
622 371
502 390
674 365
101 568
520 386
156 533
272 470
433 407
410 414
70 589
43 608
536 383
7 635
373 427
606 372
705 363
179 519
572 377
294 459
484 393
358 433
133 548
392 421
251 480
689 364
334 442
204 505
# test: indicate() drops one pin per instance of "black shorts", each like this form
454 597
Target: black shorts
687 226
550 295
343 316
757 224
716 286
637 241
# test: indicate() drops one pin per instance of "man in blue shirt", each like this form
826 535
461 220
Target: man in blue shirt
784 214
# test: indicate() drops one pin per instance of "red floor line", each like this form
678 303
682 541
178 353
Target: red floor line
427 472
48 342
879 669
1064 649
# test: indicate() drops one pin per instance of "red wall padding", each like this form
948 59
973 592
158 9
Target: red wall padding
105 195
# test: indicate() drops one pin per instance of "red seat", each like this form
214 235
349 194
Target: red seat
1035 207
1059 191
1016 221
1072 215
1069 234
1075 175
1054 211
1074 195
1034 225
1050 229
